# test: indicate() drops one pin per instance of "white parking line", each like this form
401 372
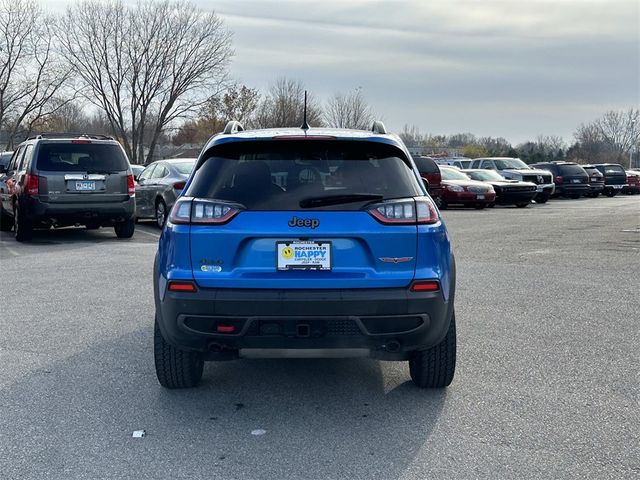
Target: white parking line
155 235
9 249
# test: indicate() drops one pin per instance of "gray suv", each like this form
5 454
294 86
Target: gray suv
64 180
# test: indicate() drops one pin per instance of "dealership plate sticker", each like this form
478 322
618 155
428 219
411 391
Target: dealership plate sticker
86 185
303 255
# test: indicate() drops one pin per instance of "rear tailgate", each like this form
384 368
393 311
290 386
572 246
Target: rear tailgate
82 171
363 253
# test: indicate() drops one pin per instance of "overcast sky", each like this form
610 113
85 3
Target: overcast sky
502 68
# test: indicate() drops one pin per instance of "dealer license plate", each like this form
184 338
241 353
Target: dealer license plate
303 255
480 197
85 186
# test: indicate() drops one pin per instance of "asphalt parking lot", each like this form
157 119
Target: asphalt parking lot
547 385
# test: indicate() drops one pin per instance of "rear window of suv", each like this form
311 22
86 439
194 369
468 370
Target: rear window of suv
294 175
81 157
426 165
568 169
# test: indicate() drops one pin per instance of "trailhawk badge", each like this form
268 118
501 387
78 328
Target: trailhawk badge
395 259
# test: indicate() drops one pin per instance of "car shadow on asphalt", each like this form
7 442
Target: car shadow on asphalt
334 418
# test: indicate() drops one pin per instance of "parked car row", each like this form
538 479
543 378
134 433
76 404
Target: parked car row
512 181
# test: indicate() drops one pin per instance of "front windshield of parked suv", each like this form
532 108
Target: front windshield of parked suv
294 175
81 157
510 163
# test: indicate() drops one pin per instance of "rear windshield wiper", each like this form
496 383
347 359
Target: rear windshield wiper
338 199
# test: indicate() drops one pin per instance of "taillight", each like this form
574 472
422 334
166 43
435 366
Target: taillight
425 286
405 212
179 185
31 184
558 179
200 211
131 186
181 286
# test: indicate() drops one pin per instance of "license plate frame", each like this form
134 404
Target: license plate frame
286 261
85 185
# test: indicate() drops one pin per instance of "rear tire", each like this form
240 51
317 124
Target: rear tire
435 367
575 197
175 368
611 193
542 198
22 228
480 206
125 229
161 213
442 204
522 205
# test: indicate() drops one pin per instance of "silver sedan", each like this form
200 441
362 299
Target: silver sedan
159 186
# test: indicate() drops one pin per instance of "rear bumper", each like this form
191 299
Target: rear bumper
596 187
389 323
569 189
511 198
82 213
468 198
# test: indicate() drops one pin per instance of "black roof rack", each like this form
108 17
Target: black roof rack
379 128
233 127
95 136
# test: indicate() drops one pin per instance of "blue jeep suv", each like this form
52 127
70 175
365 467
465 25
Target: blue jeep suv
304 242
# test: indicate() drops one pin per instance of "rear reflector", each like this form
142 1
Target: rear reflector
225 328
175 286
425 286
179 185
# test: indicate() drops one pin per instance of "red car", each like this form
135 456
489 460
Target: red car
430 173
459 189
633 183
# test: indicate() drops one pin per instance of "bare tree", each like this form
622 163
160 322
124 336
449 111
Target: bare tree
31 75
283 106
349 110
609 138
238 103
147 65
411 135
620 130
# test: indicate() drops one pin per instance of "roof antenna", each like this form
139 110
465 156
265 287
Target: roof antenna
305 125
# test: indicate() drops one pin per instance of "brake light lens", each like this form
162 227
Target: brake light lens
178 286
32 184
199 211
80 141
559 179
405 212
131 186
179 185
425 286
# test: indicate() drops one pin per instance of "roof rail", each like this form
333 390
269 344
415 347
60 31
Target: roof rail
378 127
233 127
96 136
